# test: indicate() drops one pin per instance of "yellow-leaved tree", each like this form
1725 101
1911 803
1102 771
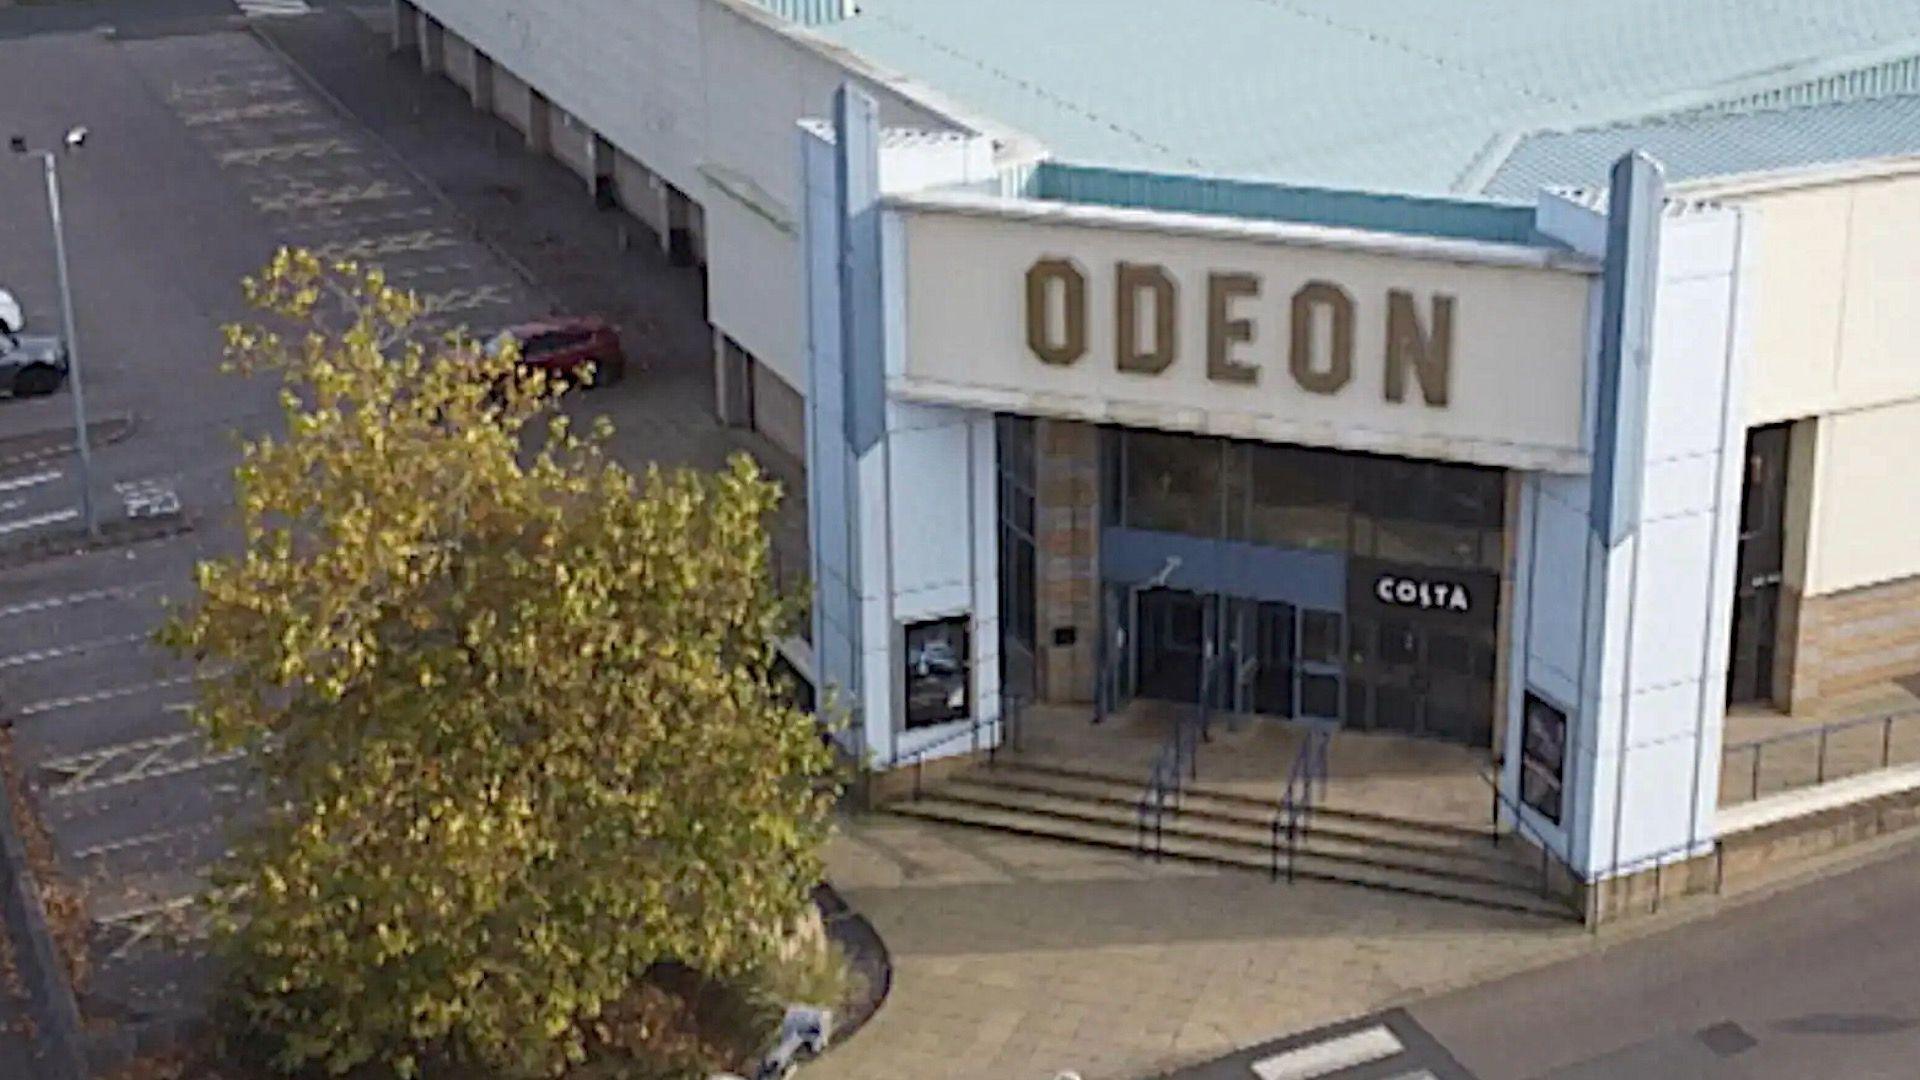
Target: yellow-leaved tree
511 704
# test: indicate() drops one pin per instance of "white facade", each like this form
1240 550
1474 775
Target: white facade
704 94
1628 634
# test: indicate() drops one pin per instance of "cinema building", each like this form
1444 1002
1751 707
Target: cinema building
1535 427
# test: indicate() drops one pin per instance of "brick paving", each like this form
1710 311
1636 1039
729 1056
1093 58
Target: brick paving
1018 959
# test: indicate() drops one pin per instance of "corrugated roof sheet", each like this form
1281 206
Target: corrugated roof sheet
809 12
1395 95
1707 145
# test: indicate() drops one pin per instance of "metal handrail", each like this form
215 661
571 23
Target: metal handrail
1823 735
1548 856
1293 816
975 725
1174 766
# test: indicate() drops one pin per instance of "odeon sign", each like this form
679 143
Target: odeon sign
1418 351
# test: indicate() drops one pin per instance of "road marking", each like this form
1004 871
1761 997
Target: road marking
148 498
18 482
255 111
372 247
41 708
273 8
117 592
441 303
37 521
35 656
347 193
127 763
13 504
144 922
286 152
1330 1056
243 88
158 836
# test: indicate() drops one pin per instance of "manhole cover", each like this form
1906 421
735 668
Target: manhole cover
1726 1039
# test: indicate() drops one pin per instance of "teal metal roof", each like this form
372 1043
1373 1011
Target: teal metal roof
1731 144
1423 96
1455 217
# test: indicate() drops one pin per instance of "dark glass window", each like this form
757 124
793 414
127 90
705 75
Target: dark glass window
1300 498
1320 695
938 670
1399 643
1320 637
1543 749
1172 483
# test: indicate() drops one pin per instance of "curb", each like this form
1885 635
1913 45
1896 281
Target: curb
113 534
866 955
433 191
56 1013
110 430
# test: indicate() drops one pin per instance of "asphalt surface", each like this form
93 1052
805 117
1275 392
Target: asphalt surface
210 148
206 153
1821 981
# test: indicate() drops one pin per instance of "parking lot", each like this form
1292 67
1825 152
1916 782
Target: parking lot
207 152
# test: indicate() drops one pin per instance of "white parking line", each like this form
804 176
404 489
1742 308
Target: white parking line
144 759
18 482
35 656
1330 1056
40 708
37 521
117 592
158 836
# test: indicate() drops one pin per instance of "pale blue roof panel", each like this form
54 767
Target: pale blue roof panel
1395 95
1729 144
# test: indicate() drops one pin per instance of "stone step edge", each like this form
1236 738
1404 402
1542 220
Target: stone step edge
1537 907
1315 845
1203 790
1472 847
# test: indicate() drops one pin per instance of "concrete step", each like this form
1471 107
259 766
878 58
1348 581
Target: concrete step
1477 863
1311 867
1387 827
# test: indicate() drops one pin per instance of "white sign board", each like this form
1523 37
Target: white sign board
1435 349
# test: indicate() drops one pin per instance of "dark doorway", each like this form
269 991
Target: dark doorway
1173 642
1756 596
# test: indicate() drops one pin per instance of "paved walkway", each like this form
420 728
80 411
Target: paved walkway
1016 959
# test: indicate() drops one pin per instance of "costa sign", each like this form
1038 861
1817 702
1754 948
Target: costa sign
1317 342
1427 595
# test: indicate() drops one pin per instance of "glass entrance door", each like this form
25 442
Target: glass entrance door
1173 641
1414 678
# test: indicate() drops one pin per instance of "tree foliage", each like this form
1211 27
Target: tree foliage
511 704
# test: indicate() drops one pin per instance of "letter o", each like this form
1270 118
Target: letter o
1406 592
1072 344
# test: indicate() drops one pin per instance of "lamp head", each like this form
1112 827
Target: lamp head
76 138
18 144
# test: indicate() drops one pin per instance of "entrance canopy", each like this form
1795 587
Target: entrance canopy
1444 349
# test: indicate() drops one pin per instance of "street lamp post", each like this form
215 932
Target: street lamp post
73 141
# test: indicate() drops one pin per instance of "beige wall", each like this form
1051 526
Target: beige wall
1837 323
1866 504
1519 332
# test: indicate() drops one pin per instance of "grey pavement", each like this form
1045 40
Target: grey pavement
1821 980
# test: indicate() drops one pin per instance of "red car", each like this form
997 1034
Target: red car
569 347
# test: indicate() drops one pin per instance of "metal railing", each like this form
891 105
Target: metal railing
992 734
1549 857
1174 767
1816 755
1306 784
